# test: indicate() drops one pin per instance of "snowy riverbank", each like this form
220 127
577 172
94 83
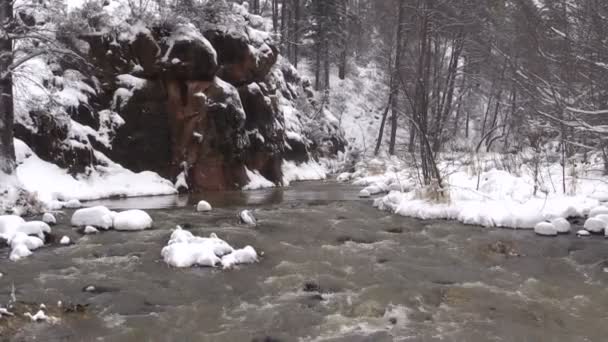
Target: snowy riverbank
483 191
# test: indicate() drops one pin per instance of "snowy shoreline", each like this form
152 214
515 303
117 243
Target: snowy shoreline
490 198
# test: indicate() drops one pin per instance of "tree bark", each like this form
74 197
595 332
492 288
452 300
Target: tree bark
397 71
7 149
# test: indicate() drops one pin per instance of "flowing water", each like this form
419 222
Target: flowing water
333 269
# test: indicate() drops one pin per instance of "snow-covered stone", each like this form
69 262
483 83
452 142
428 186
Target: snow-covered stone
72 204
49 219
545 229
364 193
31 242
582 233
603 217
594 225
37 228
246 255
246 217
132 220
19 252
344 177
203 206
65 240
99 217
40 316
561 225
9 225
186 250
598 211
90 230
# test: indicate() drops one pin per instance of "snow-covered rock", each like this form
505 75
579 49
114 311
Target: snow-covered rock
90 230
132 220
582 233
31 242
37 228
246 255
594 225
187 250
40 316
561 225
246 217
603 217
65 240
344 177
598 211
545 229
72 204
99 217
9 225
19 252
364 193
203 206
49 219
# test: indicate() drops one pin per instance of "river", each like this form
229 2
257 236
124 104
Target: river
333 269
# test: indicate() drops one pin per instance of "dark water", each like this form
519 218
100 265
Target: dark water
334 269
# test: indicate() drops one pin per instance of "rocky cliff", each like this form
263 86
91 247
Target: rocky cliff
203 104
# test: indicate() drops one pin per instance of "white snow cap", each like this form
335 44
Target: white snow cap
100 217
603 217
595 225
37 228
49 218
65 240
132 220
246 255
583 232
19 252
9 225
364 193
187 250
545 229
246 217
561 225
90 230
72 204
203 206
598 211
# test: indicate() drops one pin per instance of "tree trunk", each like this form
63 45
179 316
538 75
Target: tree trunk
296 32
7 150
383 123
275 15
396 71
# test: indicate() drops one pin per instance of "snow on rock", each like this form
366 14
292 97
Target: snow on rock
99 217
203 206
40 316
65 240
594 225
37 228
49 219
186 250
90 230
5 312
582 233
302 172
246 217
257 181
132 220
598 211
603 217
30 242
56 185
344 177
9 225
364 193
561 225
246 255
545 229
19 252
72 204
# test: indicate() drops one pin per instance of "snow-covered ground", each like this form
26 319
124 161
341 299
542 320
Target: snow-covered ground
484 191
55 186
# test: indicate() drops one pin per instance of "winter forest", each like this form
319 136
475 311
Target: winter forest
303 170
